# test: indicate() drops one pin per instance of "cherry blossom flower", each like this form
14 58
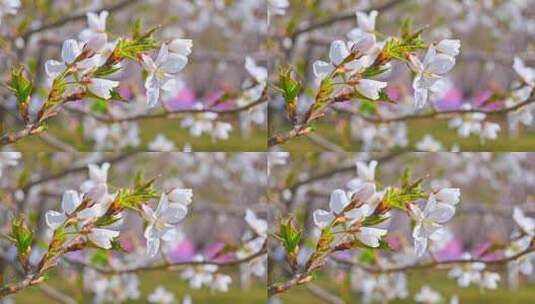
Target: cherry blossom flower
8 7
365 174
277 7
203 122
450 47
428 73
429 144
259 225
523 264
450 196
525 223
338 54
338 202
97 186
162 72
526 73
427 295
161 144
221 282
370 236
161 221
180 196
489 280
474 123
9 159
429 221
102 237
256 266
69 53
468 273
199 275
221 130
161 296
69 203
366 26
96 31
181 46
102 87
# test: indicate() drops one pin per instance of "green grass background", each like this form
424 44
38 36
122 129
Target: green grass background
437 280
525 141
148 130
256 294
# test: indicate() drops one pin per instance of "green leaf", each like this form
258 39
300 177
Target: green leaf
373 220
367 107
99 105
22 89
99 257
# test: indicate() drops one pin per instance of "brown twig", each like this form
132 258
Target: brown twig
169 266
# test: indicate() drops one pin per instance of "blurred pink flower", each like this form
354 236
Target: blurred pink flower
453 99
185 251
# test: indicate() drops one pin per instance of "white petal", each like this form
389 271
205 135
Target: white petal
371 236
153 96
153 244
99 174
420 245
322 218
356 34
338 52
259 73
449 195
102 87
449 47
162 54
441 213
365 43
174 63
370 88
322 69
176 212
526 73
182 196
366 172
338 201
181 46
102 237
54 219
260 226
53 68
420 97
364 192
70 50
367 22
441 64
430 55
163 205
70 201
358 214
148 63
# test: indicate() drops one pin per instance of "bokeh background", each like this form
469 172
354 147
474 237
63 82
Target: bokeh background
491 184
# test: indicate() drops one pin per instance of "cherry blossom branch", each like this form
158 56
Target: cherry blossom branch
170 114
436 263
169 266
439 113
342 17
323 294
77 17
75 170
55 294
345 169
